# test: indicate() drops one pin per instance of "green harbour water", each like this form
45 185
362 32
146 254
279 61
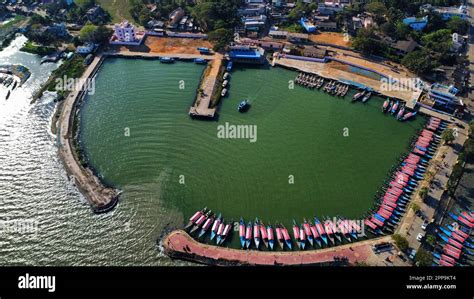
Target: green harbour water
315 154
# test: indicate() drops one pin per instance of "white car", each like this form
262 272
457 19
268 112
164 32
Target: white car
423 226
419 237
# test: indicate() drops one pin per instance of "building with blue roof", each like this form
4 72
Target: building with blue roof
417 24
247 54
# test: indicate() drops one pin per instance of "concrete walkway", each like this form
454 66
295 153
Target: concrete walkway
178 244
207 89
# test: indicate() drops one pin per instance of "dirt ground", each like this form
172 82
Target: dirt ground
333 38
175 45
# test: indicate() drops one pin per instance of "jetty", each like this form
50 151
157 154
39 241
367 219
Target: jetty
100 197
178 244
207 90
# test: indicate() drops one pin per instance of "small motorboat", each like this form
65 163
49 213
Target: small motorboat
243 106
287 237
226 76
271 241
400 113
242 233
280 237
395 107
14 85
224 92
195 217
200 61
226 232
385 105
409 115
166 60
248 235
256 233
321 231
302 238
366 97
296 233
220 232
357 96
200 221
8 95
224 84
215 226
230 65
206 226
307 231
263 234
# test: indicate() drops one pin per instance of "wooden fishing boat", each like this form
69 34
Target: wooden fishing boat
287 237
200 222
206 226
226 231
321 231
220 232
302 238
195 217
242 233
215 226
280 237
263 234
248 235
256 233
296 233
307 231
271 241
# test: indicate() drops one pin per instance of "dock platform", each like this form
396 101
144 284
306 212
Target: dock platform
201 107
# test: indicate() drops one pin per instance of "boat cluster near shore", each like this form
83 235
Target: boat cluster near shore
392 200
313 81
455 242
397 110
391 204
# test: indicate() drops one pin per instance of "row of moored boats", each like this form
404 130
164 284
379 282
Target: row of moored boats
316 82
398 110
394 197
455 244
363 96
204 221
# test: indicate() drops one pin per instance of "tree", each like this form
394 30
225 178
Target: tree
430 239
423 258
366 41
87 32
401 242
220 37
415 207
420 62
439 41
402 30
378 10
423 193
448 136
456 24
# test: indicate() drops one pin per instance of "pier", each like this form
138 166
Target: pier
178 244
101 198
207 90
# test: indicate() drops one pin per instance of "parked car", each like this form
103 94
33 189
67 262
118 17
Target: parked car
420 237
424 225
411 253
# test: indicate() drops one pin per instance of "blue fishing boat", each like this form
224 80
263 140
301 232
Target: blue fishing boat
242 233
203 50
200 61
229 66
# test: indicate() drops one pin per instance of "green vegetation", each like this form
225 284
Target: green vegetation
431 239
423 258
401 242
448 136
423 193
33 48
94 34
415 207
420 62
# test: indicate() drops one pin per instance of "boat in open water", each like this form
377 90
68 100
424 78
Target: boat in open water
366 97
358 96
243 106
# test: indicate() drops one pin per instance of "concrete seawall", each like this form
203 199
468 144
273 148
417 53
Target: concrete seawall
100 197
